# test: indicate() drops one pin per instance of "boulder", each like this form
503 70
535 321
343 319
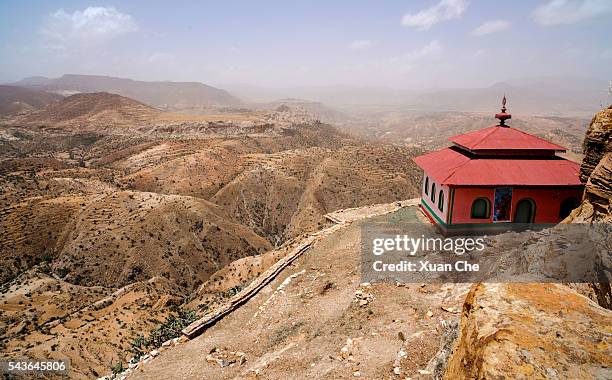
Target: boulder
531 331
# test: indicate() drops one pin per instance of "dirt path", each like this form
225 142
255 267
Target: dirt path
342 217
316 319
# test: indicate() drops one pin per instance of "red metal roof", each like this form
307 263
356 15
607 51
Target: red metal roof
497 137
450 167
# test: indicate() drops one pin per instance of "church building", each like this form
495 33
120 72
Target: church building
497 175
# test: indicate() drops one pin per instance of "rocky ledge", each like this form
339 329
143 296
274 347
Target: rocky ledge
531 331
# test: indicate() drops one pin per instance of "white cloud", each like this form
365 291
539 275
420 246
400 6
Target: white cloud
89 26
361 44
492 26
558 12
443 11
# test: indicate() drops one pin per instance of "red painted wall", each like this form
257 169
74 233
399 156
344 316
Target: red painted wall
462 203
547 200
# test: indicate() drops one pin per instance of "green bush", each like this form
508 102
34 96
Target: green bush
169 329
118 368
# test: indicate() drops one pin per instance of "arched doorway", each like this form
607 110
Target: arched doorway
525 211
567 206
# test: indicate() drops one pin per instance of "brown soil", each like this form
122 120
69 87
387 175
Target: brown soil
298 325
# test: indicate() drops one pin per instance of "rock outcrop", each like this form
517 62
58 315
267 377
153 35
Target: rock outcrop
531 331
596 171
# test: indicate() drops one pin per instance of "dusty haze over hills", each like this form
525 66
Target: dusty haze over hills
415 46
550 58
573 96
550 96
169 95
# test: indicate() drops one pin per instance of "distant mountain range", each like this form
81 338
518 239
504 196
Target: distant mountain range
568 96
175 96
537 96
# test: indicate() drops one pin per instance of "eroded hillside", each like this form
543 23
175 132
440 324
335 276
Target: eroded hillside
120 212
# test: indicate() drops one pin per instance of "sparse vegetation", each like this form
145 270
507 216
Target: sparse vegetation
169 329
117 368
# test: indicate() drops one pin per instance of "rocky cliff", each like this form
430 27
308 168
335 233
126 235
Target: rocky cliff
596 171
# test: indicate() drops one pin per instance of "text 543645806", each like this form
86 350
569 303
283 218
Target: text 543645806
28 365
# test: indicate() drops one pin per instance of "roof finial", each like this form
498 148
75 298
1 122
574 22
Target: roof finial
503 116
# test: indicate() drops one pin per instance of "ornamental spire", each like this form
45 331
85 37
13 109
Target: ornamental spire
503 116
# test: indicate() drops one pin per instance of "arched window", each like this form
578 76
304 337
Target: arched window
525 211
432 196
481 208
426 185
441 201
567 206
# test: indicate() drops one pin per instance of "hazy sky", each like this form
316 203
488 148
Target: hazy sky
403 44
